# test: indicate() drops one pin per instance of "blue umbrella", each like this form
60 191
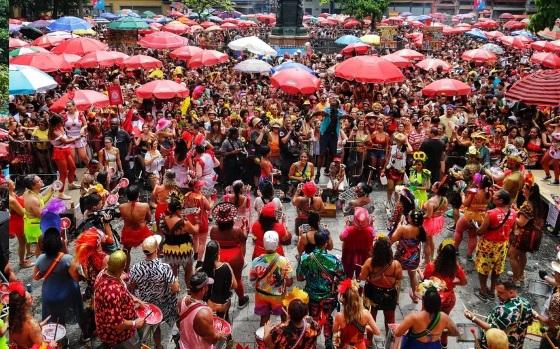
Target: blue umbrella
477 33
109 16
41 23
163 20
347 40
292 65
525 33
194 15
68 24
215 19
406 14
101 20
14 28
424 17
27 80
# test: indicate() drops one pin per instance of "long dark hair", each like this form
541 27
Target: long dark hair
313 220
52 244
267 223
381 253
17 312
417 219
446 261
267 191
432 301
539 209
210 257
237 187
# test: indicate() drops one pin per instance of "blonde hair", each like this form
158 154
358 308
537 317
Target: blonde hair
496 339
353 304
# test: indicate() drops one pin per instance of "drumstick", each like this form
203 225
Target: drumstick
147 316
476 344
55 330
42 323
543 331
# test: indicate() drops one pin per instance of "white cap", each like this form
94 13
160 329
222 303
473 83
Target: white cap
270 240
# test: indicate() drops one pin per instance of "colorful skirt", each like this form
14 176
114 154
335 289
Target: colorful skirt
134 237
178 255
31 229
408 254
434 225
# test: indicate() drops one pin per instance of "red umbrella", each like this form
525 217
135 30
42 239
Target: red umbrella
295 81
156 26
206 24
399 61
541 88
488 24
229 20
546 59
352 23
185 53
141 62
416 24
228 25
446 87
494 34
433 64
479 55
369 69
176 28
207 58
17 43
266 18
162 89
519 42
101 59
409 54
162 40
447 30
84 99
542 45
46 62
79 46
556 44
49 41
196 28
514 25
175 14
70 58
359 48
245 24
506 15
463 25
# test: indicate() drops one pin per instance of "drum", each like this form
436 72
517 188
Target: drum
392 341
259 338
222 326
151 313
534 331
54 332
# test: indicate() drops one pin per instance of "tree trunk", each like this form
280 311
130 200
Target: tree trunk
373 24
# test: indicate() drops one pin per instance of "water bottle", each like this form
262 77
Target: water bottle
6 172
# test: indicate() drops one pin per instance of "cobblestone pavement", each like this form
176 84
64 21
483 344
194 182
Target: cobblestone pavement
245 322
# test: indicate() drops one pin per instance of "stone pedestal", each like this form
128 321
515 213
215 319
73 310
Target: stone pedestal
288 36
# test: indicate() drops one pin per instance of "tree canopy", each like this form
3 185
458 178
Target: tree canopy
199 6
363 8
547 13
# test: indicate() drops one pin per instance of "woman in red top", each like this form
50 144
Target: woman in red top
16 224
267 221
357 242
447 268
195 199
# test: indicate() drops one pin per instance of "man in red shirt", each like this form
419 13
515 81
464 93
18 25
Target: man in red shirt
492 246
115 314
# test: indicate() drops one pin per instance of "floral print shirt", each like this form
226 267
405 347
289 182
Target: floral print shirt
286 335
113 304
513 317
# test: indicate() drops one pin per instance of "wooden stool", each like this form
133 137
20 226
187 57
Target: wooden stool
329 210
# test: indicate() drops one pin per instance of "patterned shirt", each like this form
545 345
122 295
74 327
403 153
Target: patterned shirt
152 279
113 305
271 283
286 335
320 278
513 317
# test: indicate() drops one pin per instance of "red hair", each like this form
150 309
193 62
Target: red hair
86 245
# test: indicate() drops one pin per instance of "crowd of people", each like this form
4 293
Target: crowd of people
198 178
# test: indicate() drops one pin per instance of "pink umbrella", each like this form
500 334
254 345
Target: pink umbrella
101 59
546 59
175 14
519 42
295 81
447 30
46 62
245 24
70 58
409 54
228 25
185 53
446 87
175 27
370 69
352 23
162 40
84 99
196 28
506 15
358 48
513 25
206 24
542 45
79 46
141 62
397 60
433 64
17 43
487 24
49 41
479 55
494 34
162 89
464 25
416 24
207 58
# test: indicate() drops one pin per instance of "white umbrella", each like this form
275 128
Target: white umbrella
253 45
253 66
26 80
64 35
493 48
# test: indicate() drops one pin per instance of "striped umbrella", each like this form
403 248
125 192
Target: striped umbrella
541 88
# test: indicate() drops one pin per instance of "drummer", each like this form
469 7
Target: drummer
152 281
25 331
551 317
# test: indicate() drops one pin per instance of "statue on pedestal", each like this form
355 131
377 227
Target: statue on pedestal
289 14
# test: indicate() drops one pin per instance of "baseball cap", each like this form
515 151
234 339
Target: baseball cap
151 243
270 240
199 280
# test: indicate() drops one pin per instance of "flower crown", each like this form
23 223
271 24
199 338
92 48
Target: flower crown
431 283
420 156
529 179
346 285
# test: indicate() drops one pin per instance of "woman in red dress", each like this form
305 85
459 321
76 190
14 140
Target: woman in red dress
232 242
267 221
162 192
15 227
357 242
63 153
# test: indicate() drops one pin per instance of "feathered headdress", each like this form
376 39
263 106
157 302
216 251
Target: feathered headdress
87 243
346 285
54 205
296 293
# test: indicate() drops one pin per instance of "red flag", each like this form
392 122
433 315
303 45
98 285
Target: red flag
127 123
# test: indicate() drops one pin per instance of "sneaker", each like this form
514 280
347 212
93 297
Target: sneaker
74 186
483 297
63 196
546 178
555 183
243 302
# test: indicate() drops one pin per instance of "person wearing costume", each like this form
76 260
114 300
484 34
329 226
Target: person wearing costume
419 178
434 222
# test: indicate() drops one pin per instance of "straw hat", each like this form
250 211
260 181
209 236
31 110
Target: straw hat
400 137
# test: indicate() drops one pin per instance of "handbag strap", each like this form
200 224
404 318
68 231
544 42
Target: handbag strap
52 266
501 224
186 313
330 276
271 266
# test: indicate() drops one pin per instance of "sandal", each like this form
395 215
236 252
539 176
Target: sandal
26 264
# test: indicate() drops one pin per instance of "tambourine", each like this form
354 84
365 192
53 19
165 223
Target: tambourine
112 199
348 195
57 185
65 223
